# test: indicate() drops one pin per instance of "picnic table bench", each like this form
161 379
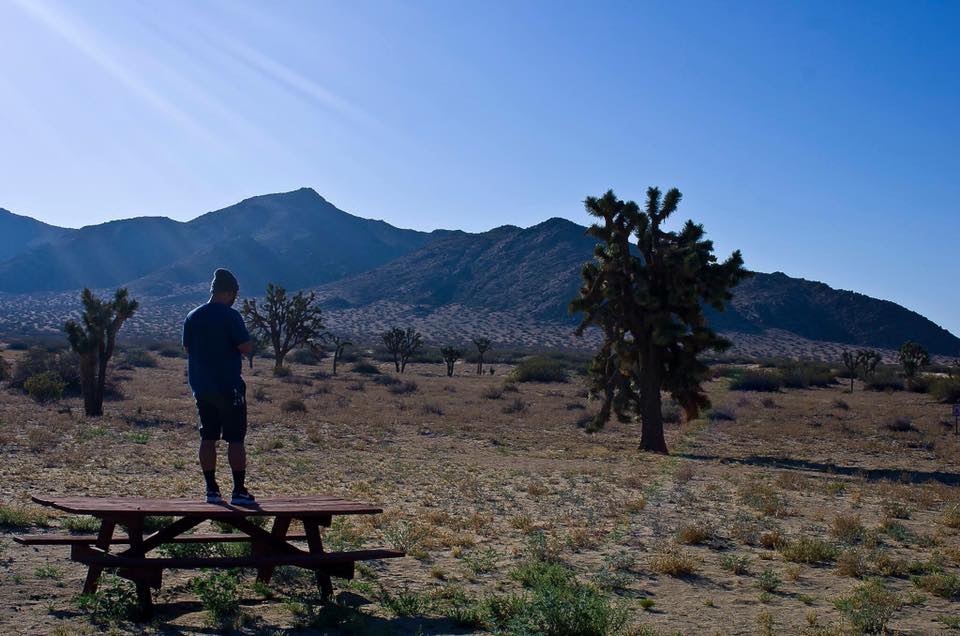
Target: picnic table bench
269 548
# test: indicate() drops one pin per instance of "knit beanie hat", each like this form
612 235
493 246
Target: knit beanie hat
224 281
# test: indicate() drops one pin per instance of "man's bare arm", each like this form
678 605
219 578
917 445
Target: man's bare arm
245 347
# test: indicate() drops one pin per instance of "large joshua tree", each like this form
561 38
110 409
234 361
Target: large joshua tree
286 322
94 338
645 290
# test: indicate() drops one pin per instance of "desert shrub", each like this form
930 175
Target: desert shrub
951 516
735 564
365 368
492 393
768 581
899 424
65 364
304 356
721 414
764 498
515 406
539 369
841 404
941 584
220 597
673 561
556 605
946 390
281 372
18 345
114 601
694 534
432 408
402 388
869 607
44 387
293 405
883 381
764 381
14 517
809 550
139 358
260 394
81 524
802 375
670 412
847 528
853 563
170 352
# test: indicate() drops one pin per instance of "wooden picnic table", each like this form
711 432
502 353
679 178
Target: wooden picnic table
269 548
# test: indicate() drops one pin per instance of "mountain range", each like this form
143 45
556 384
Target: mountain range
300 240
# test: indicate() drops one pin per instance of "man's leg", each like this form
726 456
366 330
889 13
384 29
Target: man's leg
209 434
237 454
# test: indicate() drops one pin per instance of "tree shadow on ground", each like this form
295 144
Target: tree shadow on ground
871 474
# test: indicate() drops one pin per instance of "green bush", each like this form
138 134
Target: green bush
946 390
765 381
884 381
64 364
139 358
809 550
869 607
539 369
114 601
219 596
44 387
13 517
803 375
365 368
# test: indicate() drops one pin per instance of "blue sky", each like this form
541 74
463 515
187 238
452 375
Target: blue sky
818 137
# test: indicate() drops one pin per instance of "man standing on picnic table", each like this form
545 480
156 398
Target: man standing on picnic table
216 339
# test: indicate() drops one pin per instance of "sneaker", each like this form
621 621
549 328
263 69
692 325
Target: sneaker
243 498
214 497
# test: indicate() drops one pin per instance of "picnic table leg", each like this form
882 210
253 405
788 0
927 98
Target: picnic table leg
103 542
312 530
279 530
144 600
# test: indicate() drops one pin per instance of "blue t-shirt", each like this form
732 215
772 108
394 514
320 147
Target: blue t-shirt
211 333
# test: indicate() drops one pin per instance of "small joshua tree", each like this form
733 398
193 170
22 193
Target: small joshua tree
339 344
852 362
258 343
869 361
483 345
646 290
94 338
401 344
913 357
450 356
285 322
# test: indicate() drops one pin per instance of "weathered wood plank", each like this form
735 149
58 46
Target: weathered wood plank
210 537
314 505
95 556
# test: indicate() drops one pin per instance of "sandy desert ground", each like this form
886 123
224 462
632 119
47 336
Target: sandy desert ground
765 514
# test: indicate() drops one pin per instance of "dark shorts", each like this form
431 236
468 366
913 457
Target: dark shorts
223 415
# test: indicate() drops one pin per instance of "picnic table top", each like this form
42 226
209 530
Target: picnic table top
311 505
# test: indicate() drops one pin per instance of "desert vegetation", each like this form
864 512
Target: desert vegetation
790 512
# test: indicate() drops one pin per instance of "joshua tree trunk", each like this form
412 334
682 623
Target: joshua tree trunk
651 432
88 384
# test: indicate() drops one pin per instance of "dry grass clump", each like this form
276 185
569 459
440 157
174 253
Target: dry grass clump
684 473
900 424
895 509
293 405
673 561
847 528
810 550
853 563
763 497
694 534
951 516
